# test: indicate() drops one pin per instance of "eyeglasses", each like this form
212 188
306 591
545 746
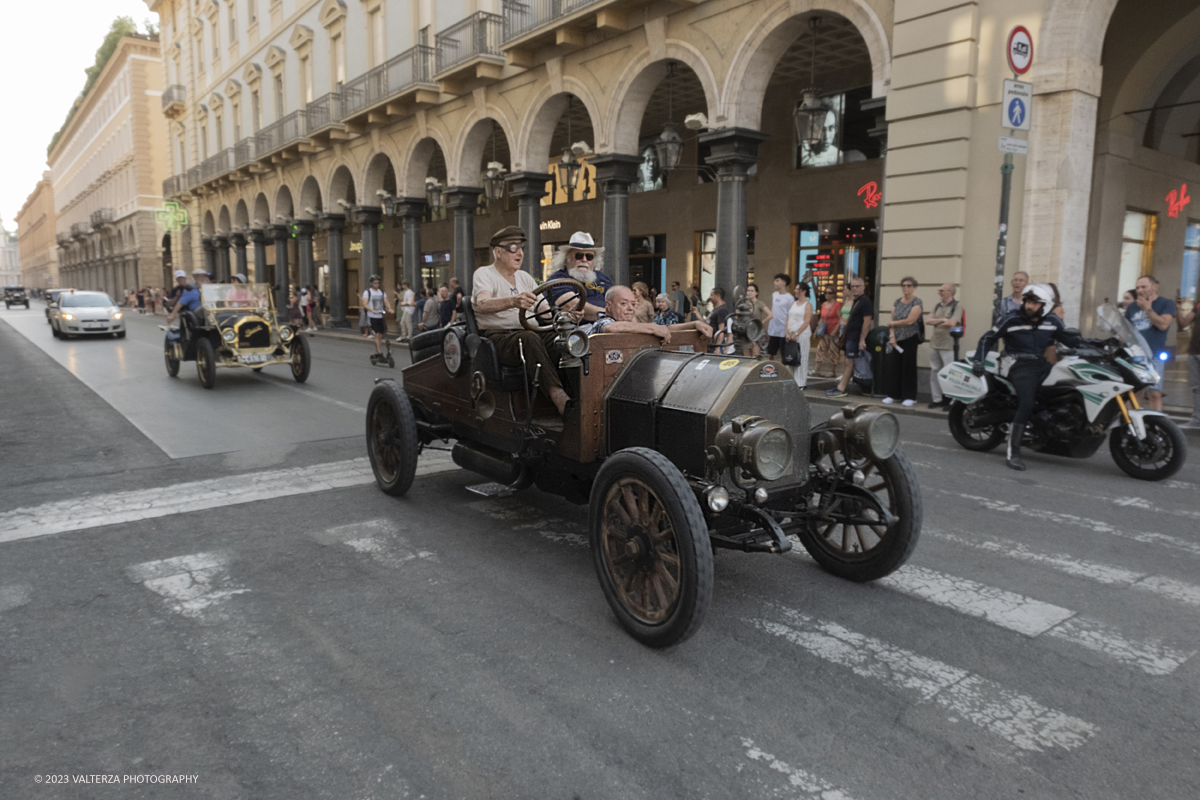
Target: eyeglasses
584 256
511 247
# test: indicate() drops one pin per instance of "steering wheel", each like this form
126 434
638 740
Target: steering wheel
544 320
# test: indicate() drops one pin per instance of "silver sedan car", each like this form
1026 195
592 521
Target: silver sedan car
80 313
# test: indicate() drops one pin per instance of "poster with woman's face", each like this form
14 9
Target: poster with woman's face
649 175
827 151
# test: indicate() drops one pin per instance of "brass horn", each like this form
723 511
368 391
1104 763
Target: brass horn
485 405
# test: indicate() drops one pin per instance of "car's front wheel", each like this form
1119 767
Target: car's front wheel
301 359
392 442
206 363
171 362
650 547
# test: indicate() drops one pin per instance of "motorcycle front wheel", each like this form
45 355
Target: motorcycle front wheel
1159 456
970 435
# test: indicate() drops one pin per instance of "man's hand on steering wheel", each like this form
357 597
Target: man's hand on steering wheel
525 300
543 320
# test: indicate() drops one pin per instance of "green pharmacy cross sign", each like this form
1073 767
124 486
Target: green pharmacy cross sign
172 217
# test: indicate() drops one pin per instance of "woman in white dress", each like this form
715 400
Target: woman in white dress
799 330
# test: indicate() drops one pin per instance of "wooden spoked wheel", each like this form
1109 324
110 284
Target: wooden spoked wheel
641 550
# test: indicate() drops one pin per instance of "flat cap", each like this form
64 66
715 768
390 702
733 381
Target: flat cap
507 234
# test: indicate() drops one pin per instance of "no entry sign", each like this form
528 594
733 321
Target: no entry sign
1020 50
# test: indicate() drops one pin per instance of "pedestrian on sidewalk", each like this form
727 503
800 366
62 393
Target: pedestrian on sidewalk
798 334
1188 320
761 312
904 338
447 305
829 329
408 306
781 302
858 325
945 319
1152 316
1010 304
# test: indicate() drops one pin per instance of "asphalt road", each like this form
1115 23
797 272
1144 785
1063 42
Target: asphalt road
208 583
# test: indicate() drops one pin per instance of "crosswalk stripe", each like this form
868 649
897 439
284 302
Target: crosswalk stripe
192 584
1011 715
182 498
798 778
1153 658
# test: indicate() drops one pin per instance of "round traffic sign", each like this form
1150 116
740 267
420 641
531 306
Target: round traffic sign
1020 50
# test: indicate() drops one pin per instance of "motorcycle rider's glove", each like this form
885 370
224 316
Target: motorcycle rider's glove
977 369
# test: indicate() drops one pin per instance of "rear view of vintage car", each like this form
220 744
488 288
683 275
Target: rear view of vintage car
675 450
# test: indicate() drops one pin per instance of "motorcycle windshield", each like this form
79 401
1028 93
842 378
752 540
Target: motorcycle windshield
1112 320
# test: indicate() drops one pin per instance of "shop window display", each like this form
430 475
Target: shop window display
829 254
648 260
1137 250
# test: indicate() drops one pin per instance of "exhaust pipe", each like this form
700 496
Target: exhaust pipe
488 462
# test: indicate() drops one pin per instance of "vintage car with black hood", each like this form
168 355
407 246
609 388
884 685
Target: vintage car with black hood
675 450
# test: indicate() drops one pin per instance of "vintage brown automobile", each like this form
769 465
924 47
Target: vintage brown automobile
676 450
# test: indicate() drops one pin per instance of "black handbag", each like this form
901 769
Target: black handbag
791 353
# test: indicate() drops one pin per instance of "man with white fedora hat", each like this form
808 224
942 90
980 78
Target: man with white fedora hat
583 261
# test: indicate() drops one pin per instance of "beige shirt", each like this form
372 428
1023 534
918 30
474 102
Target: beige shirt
489 279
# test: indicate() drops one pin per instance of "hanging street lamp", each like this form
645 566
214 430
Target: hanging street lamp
568 165
812 112
493 179
669 146
433 193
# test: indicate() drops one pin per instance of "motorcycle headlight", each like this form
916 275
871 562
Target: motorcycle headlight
285 334
228 335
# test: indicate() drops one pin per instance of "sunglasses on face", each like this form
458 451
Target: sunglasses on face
511 247
584 256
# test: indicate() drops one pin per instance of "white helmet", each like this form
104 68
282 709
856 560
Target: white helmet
1040 293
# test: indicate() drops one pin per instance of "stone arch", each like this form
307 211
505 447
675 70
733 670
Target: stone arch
637 84
283 204
469 149
310 197
241 216
223 222
210 225
420 153
379 175
537 129
341 187
754 62
262 212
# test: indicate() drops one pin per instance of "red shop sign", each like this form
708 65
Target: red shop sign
870 194
1177 200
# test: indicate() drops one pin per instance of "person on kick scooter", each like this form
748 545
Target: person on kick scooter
1026 332
375 301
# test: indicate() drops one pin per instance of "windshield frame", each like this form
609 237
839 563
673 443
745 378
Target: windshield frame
227 298
63 298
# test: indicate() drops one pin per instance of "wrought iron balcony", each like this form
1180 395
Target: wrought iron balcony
192 179
279 133
173 100
218 165
326 110
525 16
243 152
101 217
411 68
477 35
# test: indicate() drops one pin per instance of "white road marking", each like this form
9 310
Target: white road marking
1151 657
1011 715
997 606
13 596
93 511
291 387
801 780
378 539
192 584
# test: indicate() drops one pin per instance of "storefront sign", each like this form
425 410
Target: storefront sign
1011 144
1017 104
356 247
870 194
1177 200
550 225
1020 50
172 217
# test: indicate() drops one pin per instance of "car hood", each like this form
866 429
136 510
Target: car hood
84 310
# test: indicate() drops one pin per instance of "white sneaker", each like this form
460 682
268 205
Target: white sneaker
908 403
888 401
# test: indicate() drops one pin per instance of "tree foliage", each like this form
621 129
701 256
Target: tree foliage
121 26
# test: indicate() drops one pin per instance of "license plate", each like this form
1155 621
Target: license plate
94 325
258 359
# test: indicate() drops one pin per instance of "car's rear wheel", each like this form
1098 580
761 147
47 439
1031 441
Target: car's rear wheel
301 359
392 442
171 362
206 363
650 547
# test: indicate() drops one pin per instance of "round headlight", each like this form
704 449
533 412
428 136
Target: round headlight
874 434
717 498
285 334
577 344
228 335
770 451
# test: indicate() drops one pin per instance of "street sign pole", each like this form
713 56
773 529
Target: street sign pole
1015 110
1006 171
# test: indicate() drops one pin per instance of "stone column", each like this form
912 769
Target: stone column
239 252
733 152
411 211
304 241
614 173
529 188
280 235
222 259
368 218
258 237
333 224
463 200
210 256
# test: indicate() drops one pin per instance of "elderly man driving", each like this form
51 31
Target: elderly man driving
499 291
620 307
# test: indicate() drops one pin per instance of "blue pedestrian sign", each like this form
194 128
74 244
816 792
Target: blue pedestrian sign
1016 106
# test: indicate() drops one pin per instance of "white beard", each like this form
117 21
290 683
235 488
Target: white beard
583 274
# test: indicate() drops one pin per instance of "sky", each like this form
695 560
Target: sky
41 62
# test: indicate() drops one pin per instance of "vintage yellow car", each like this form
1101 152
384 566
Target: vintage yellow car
236 327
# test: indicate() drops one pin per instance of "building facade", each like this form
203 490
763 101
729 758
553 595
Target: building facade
106 174
10 257
819 138
36 230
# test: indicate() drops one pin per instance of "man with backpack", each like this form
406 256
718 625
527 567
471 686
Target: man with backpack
947 323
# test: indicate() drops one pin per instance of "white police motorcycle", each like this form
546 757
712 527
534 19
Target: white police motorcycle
1088 395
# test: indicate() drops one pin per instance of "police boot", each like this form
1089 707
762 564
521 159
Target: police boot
1015 434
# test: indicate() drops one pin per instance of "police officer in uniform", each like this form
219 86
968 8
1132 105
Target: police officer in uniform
1026 332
